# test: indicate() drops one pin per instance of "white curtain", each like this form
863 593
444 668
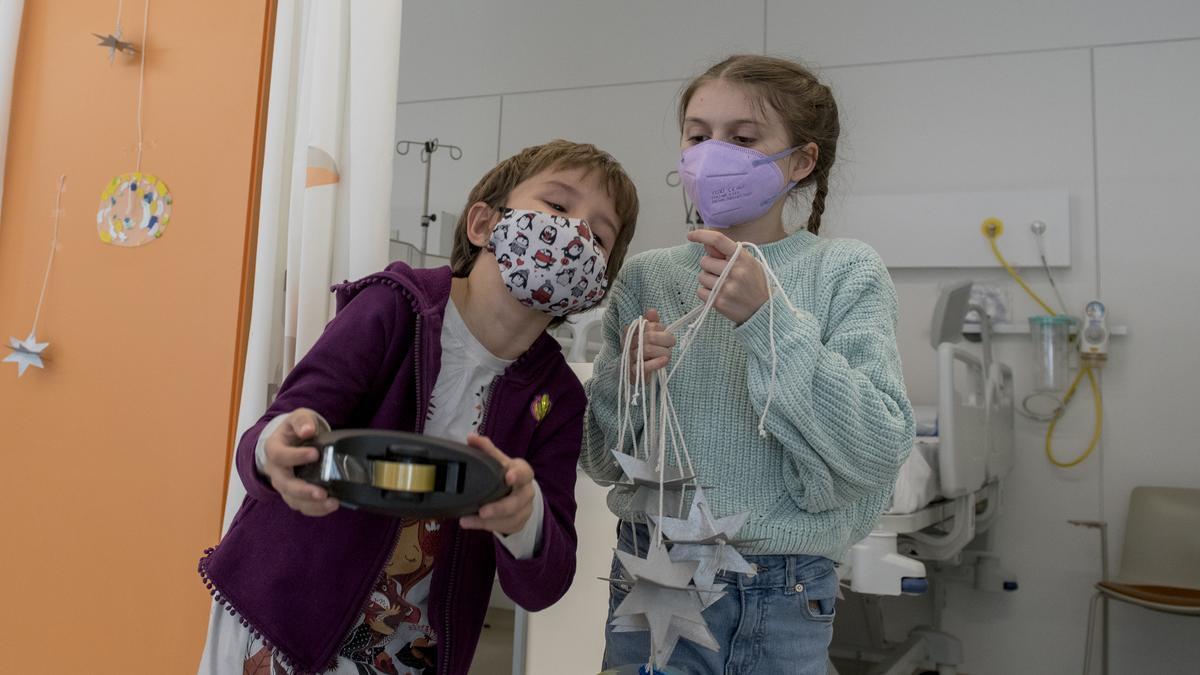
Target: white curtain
327 177
10 33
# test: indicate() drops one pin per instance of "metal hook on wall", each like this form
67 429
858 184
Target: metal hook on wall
428 147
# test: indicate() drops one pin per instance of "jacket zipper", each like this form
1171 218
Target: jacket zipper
381 575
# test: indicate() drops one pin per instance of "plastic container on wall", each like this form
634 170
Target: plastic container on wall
1051 358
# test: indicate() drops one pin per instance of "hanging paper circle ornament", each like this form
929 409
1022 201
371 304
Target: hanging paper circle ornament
135 209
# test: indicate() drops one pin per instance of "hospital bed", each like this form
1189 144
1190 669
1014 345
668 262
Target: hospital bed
948 493
947 496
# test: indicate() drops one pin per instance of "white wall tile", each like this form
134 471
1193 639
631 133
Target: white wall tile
471 47
472 124
863 31
1147 116
1014 122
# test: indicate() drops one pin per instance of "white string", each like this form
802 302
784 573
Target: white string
141 78
677 438
660 419
662 458
37 314
770 277
693 330
626 395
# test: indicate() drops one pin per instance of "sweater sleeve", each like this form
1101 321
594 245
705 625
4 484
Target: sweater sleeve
333 377
539 581
600 423
839 407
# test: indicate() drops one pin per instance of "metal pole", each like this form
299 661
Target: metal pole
1104 599
430 146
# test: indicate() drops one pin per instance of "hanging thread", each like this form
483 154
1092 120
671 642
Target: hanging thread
141 77
660 420
37 314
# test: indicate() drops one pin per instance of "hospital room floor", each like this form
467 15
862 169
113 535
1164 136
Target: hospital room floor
847 667
494 654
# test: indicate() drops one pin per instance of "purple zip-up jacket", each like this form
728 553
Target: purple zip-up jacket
301 582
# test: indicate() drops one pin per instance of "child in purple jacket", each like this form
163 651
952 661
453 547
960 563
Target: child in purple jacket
460 353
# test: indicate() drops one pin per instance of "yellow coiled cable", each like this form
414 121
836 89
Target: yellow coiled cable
993 228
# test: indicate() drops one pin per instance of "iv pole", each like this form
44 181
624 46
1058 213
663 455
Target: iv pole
427 149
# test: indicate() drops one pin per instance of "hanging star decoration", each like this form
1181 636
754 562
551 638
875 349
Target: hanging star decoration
644 481
113 40
670 588
28 352
662 602
706 540
115 44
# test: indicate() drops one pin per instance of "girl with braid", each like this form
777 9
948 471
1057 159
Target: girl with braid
796 413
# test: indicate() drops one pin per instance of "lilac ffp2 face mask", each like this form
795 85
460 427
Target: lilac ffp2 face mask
731 184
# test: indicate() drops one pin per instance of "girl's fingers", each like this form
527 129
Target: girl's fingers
662 339
295 489
713 241
301 424
713 265
657 364
653 352
506 506
285 455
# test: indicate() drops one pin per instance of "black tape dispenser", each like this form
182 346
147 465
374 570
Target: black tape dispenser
398 473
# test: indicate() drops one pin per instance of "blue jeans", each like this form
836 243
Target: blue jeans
778 621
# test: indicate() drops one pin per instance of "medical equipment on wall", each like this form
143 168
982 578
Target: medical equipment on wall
1051 360
1093 339
1051 335
427 149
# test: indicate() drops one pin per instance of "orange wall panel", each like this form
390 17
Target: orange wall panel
114 455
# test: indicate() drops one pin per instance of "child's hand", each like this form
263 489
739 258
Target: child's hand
506 515
745 288
658 346
285 450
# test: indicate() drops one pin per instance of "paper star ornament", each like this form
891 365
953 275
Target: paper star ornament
26 353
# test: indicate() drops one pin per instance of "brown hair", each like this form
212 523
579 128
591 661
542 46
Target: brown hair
495 187
805 105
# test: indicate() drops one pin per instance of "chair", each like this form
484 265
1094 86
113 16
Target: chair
1160 559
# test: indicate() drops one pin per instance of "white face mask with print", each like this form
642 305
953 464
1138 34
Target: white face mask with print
549 262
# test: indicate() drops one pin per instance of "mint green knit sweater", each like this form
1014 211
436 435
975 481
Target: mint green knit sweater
839 425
